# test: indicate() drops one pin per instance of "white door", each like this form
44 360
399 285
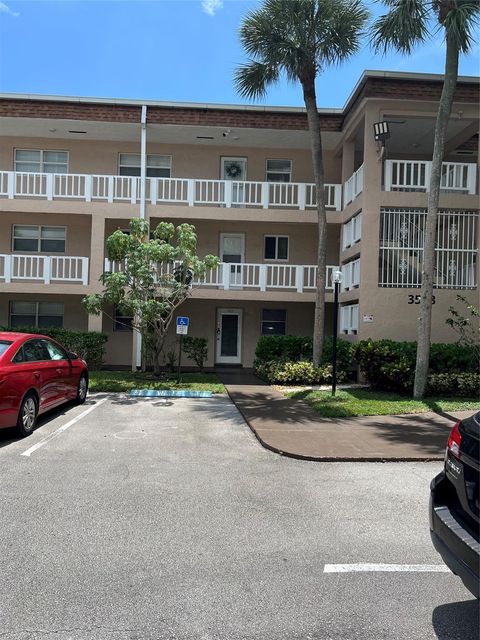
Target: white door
232 250
229 336
235 169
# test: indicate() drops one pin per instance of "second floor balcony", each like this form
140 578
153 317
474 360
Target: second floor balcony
177 191
43 269
260 277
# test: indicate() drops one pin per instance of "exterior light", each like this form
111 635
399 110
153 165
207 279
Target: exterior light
381 131
337 277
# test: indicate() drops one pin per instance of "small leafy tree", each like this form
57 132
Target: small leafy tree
151 278
466 324
196 349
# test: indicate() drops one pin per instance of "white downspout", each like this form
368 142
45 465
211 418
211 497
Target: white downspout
143 176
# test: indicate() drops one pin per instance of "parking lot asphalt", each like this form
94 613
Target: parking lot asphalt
165 519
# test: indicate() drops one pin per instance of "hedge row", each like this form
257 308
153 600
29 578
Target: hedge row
89 345
390 366
299 349
301 372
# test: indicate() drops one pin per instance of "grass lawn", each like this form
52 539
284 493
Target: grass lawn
109 381
363 402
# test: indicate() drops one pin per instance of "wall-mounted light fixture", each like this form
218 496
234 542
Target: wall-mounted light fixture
381 131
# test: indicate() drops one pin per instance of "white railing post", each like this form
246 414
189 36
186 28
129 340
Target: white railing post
85 271
262 277
428 173
47 269
49 186
302 196
88 188
265 194
471 178
133 190
7 268
299 278
110 189
225 275
190 192
11 185
153 190
388 175
228 193
338 197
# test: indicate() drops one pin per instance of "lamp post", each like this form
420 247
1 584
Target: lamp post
337 280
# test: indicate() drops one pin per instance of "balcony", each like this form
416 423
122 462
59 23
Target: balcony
353 186
44 269
184 191
259 277
414 175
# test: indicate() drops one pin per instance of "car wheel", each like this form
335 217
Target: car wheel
27 416
82 389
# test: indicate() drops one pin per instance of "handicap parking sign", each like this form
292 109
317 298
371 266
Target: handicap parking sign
182 325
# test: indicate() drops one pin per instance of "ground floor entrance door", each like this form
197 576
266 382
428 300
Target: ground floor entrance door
229 336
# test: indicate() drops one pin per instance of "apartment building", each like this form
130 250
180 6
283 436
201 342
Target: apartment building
73 170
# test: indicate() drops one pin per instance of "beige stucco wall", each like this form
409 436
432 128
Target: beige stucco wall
77 230
74 317
188 161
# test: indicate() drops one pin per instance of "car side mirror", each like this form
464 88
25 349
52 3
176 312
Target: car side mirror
72 356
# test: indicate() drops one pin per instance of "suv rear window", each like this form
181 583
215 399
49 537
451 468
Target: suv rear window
4 344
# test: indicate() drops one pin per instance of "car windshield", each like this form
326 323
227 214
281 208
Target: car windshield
4 344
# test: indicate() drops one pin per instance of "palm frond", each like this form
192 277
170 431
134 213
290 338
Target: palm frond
402 27
459 22
252 79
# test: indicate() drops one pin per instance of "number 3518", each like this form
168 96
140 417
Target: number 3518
416 299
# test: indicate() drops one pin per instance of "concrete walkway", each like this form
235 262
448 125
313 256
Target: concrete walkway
292 428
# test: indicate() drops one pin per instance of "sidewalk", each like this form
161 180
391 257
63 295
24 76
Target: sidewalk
292 428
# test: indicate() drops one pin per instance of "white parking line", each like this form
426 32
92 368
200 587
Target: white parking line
63 428
351 568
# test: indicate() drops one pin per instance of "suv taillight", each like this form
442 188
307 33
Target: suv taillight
454 440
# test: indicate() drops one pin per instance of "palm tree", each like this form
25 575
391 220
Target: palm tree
408 23
299 38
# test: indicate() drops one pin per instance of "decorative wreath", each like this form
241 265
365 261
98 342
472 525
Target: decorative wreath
233 169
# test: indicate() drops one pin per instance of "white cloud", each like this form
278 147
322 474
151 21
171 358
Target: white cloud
211 6
7 10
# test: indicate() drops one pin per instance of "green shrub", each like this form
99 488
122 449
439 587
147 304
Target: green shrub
89 345
390 365
454 384
196 349
301 372
299 348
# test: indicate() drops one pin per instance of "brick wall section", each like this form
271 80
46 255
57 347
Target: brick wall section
399 89
164 115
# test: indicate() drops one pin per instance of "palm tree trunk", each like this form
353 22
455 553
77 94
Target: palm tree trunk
310 98
428 268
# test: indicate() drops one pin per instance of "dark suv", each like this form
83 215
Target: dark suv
454 504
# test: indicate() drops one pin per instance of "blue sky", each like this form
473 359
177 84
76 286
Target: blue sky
179 50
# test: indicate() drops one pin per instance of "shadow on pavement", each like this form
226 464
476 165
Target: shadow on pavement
457 621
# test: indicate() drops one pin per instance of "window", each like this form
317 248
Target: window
121 322
32 351
54 350
157 166
401 248
352 231
349 319
351 275
274 322
4 344
36 314
279 170
40 161
35 239
276 248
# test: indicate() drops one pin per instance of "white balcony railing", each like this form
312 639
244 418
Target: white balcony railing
186 191
414 175
353 186
45 269
261 277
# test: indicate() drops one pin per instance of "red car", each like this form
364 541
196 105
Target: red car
36 374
